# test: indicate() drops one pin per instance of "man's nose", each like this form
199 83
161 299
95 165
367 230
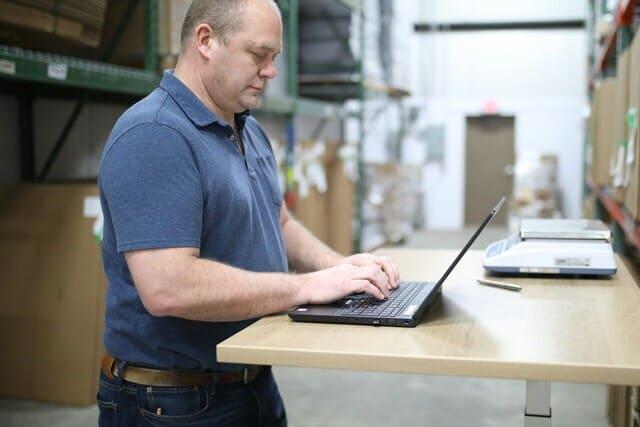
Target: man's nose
270 71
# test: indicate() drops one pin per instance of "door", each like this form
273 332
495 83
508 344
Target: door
489 166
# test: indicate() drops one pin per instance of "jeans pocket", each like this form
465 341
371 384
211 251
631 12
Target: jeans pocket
173 404
108 413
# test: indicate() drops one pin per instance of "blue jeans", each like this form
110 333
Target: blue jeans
125 404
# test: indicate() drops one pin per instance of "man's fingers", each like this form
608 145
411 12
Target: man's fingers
390 270
373 274
367 287
377 277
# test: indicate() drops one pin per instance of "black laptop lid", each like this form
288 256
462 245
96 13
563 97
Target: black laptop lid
486 221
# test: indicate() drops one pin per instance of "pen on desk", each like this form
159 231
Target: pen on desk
501 285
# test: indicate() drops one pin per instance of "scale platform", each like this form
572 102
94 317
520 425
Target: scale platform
554 247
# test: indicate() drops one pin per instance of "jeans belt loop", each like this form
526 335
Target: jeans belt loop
246 376
118 369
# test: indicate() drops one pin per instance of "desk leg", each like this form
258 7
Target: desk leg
537 412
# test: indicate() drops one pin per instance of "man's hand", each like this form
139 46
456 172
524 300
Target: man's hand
333 283
385 263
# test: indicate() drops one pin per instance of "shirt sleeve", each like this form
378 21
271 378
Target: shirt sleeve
152 187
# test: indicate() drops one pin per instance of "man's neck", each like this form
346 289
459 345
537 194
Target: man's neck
194 83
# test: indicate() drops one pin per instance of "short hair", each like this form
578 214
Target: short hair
223 16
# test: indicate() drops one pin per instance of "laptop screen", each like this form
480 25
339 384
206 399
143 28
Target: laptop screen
486 221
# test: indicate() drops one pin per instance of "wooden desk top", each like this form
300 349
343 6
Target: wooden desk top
554 330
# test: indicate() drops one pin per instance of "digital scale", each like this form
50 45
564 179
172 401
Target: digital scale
554 246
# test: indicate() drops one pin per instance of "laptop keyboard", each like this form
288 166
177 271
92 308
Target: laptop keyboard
366 305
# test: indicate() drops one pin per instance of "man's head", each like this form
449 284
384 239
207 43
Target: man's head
232 45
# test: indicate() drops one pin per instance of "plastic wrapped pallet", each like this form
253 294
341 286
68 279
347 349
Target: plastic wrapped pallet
536 192
324 48
329 54
392 195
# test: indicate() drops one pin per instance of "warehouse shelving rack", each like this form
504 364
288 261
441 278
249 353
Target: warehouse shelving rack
83 80
625 230
608 208
340 86
58 76
621 31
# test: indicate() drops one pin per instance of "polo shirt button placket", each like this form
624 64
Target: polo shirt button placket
232 138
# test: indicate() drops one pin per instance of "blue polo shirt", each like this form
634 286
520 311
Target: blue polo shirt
171 175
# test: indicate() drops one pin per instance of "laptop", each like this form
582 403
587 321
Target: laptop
405 306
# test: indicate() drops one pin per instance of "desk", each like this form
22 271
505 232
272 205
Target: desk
571 330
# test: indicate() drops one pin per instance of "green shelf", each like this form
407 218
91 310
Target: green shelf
300 106
33 66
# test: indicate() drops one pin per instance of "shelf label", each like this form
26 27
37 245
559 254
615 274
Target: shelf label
57 71
7 67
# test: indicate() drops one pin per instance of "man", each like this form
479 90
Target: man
197 242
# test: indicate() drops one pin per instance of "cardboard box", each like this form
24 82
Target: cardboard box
603 131
80 21
52 295
341 202
619 154
632 199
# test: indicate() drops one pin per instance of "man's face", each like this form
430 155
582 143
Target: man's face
239 70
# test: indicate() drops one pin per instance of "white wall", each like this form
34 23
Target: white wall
500 10
538 76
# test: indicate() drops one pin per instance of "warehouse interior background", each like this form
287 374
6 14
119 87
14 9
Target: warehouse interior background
395 123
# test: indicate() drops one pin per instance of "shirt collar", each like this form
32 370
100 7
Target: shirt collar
197 112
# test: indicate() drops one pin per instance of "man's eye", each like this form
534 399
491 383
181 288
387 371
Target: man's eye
259 55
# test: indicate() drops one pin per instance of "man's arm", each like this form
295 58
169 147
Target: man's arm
306 253
176 282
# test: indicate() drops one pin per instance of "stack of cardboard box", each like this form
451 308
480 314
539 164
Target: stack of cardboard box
78 20
624 402
614 141
631 200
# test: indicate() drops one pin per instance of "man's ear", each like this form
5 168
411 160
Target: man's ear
205 41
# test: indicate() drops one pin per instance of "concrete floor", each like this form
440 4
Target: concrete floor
316 397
